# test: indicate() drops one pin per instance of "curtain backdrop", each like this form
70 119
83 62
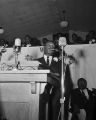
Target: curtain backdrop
84 64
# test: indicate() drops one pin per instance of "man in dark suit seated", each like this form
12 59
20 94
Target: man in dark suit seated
52 89
81 101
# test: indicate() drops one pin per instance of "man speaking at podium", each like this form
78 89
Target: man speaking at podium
52 89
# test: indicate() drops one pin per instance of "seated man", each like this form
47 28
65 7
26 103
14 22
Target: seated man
52 88
81 101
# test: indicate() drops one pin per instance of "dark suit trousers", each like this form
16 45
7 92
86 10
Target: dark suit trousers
53 100
54 104
44 98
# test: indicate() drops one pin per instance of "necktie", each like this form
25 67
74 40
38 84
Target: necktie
48 60
83 93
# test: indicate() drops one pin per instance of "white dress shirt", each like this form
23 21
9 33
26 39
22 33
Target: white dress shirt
85 93
50 59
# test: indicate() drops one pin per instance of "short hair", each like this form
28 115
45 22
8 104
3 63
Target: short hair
45 40
27 36
82 80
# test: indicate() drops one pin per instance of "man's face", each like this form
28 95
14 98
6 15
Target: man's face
49 48
27 39
82 85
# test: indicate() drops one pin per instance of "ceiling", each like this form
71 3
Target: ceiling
41 17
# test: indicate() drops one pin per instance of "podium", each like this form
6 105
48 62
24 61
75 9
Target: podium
19 93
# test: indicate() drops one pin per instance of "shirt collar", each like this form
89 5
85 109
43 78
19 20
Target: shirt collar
50 58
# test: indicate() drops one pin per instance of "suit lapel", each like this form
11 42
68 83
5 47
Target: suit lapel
53 66
42 60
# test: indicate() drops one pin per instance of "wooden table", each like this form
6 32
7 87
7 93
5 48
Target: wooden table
19 93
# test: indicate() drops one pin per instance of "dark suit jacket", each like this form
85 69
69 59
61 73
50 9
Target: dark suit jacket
55 67
52 97
79 101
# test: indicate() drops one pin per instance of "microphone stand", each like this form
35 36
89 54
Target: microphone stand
62 99
17 50
64 61
16 60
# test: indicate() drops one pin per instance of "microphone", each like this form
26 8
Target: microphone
62 44
17 45
17 50
62 41
17 42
